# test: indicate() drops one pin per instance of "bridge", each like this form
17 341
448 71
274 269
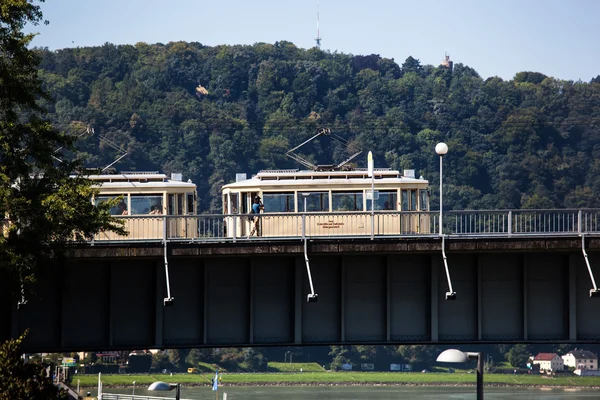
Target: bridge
518 276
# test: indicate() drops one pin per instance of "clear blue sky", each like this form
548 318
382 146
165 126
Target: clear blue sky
559 38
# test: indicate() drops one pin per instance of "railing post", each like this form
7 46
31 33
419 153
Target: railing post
510 227
234 227
579 225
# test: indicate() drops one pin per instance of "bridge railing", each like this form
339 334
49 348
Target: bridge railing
271 226
521 222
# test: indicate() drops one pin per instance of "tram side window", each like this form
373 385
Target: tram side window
225 205
171 204
233 203
179 203
146 204
278 202
347 201
424 200
386 201
191 209
413 200
315 201
114 210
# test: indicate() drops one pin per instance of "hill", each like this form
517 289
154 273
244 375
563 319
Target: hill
209 112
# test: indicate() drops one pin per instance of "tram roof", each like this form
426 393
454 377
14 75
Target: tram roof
294 177
139 178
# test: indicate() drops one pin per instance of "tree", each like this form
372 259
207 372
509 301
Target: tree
518 355
174 358
341 355
45 206
24 381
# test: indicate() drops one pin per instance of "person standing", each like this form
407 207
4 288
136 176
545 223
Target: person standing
257 207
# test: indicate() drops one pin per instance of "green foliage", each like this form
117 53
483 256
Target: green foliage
528 142
45 207
24 381
518 355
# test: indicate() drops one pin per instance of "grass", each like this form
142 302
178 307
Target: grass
294 367
323 377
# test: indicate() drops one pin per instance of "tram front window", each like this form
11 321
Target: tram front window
278 202
315 202
386 201
146 204
409 200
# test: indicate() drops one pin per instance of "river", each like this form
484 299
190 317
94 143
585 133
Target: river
366 392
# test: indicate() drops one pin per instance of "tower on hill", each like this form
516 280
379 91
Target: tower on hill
446 63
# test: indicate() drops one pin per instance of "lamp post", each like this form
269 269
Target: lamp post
441 149
457 356
285 357
371 173
133 394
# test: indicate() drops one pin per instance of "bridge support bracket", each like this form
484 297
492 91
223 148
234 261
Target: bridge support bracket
167 301
594 292
451 294
312 296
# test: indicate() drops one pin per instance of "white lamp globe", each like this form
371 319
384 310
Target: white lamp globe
441 148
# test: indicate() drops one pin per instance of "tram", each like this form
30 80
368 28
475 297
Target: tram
152 205
327 203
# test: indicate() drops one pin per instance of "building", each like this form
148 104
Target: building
549 362
581 360
446 63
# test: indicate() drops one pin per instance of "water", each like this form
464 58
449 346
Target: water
366 392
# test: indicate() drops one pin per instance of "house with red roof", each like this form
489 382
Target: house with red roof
549 362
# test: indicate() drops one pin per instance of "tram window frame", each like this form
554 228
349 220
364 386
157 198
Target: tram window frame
170 204
190 201
389 196
408 199
225 204
141 204
234 203
179 203
338 198
424 197
323 201
274 200
114 210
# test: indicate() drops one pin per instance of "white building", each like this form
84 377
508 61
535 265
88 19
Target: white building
549 362
581 360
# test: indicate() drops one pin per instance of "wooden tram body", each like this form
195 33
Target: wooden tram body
328 203
153 206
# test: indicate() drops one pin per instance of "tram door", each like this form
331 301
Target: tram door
190 210
409 223
177 224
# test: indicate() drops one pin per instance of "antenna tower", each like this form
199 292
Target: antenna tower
318 37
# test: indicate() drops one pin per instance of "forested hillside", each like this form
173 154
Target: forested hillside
209 112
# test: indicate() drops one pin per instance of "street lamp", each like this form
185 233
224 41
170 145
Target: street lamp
441 149
133 394
457 356
167 386
285 356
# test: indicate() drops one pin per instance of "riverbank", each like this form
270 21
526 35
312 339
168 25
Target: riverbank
343 379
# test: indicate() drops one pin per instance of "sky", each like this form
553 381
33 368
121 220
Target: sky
558 38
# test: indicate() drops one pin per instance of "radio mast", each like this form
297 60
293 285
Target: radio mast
318 37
